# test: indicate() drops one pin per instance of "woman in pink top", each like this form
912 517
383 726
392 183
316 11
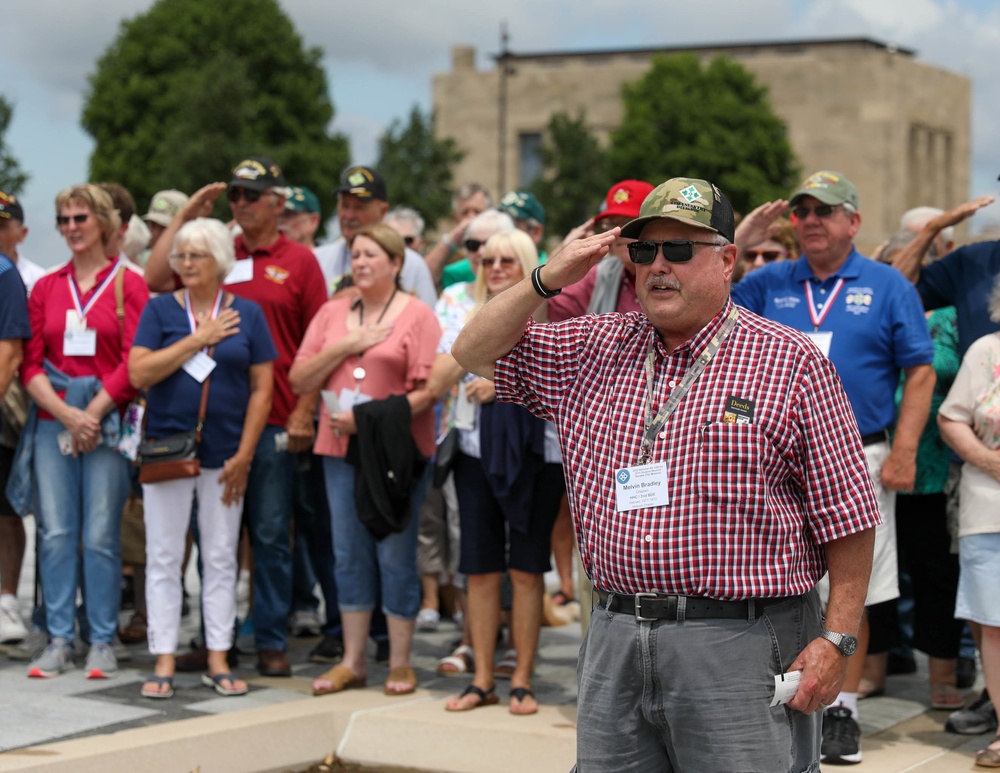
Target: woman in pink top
371 345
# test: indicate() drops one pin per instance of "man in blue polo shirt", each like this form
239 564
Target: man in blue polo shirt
868 320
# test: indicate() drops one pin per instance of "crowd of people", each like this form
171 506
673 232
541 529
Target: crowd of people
758 435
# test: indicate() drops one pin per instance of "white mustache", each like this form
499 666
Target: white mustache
660 282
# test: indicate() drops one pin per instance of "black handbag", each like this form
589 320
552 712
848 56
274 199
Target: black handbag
444 459
175 456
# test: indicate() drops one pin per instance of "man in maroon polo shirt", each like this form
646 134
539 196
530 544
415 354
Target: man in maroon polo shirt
285 280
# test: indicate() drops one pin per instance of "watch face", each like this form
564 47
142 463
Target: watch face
848 644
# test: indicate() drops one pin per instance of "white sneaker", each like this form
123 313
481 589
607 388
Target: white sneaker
428 619
12 629
304 622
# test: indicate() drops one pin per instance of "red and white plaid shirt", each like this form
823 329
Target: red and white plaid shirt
750 505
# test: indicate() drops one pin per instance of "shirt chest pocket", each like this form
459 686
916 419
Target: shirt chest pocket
730 465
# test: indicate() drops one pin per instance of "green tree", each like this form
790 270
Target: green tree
12 179
713 121
189 88
574 178
418 167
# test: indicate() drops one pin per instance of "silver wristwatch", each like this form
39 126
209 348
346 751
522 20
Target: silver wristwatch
844 642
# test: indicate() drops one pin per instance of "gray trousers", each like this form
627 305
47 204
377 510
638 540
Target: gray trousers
694 696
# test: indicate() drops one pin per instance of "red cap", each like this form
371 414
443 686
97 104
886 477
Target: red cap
624 199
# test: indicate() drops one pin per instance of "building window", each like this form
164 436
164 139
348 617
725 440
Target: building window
529 147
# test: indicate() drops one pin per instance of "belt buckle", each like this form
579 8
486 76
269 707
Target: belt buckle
638 609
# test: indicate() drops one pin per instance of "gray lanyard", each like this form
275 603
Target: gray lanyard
652 425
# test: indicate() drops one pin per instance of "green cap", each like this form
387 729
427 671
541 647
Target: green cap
686 200
828 188
301 200
522 205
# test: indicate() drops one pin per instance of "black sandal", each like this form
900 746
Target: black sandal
486 698
520 693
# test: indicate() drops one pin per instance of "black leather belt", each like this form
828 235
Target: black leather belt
882 436
659 606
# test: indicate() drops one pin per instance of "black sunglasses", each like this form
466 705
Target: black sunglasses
473 245
767 255
78 219
821 210
246 194
674 250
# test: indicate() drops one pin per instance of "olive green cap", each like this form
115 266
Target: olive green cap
828 188
695 202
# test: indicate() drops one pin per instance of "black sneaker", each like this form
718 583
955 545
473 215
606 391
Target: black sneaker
841 737
965 673
975 719
329 650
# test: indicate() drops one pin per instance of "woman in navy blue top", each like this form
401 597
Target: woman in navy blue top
184 337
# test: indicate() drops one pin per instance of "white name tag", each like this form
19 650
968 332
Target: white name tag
331 402
199 366
465 410
822 339
80 343
74 321
242 272
644 485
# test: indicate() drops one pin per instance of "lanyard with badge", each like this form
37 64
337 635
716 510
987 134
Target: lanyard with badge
822 338
78 339
645 484
199 365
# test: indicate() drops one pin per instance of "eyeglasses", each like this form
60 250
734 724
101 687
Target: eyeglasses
249 196
674 250
767 255
78 219
821 210
180 257
504 262
473 245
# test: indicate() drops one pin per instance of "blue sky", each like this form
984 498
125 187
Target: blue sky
380 57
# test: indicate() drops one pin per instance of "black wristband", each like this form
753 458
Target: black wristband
542 290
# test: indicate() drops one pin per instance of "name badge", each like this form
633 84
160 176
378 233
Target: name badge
79 343
242 272
199 366
822 339
465 410
644 485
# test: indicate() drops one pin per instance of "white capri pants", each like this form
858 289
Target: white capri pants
167 507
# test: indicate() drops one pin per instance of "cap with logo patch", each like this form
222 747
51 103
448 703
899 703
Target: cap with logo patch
624 199
164 205
301 200
257 173
363 182
697 203
828 188
522 205
10 208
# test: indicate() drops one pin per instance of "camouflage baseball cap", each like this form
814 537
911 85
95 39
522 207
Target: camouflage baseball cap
828 188
696 202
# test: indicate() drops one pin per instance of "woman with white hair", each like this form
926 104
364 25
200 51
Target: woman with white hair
970 423
196 333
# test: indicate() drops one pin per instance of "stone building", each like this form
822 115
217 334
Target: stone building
898 127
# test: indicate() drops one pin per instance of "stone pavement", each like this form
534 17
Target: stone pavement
70 723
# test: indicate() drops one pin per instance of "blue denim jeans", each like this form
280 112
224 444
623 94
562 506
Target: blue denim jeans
80 502
361 563
312 521
268 514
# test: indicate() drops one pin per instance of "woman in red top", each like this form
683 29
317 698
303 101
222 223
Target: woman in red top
75 369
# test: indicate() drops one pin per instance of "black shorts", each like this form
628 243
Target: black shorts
6 463
485 536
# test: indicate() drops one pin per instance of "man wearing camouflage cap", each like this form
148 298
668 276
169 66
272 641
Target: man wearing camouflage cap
714 473
867 319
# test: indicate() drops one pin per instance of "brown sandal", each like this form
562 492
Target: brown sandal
989 758
135 631
404 675
338 678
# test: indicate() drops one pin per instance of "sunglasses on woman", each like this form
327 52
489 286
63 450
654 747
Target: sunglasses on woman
767 255
674 250
503 262
78 219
